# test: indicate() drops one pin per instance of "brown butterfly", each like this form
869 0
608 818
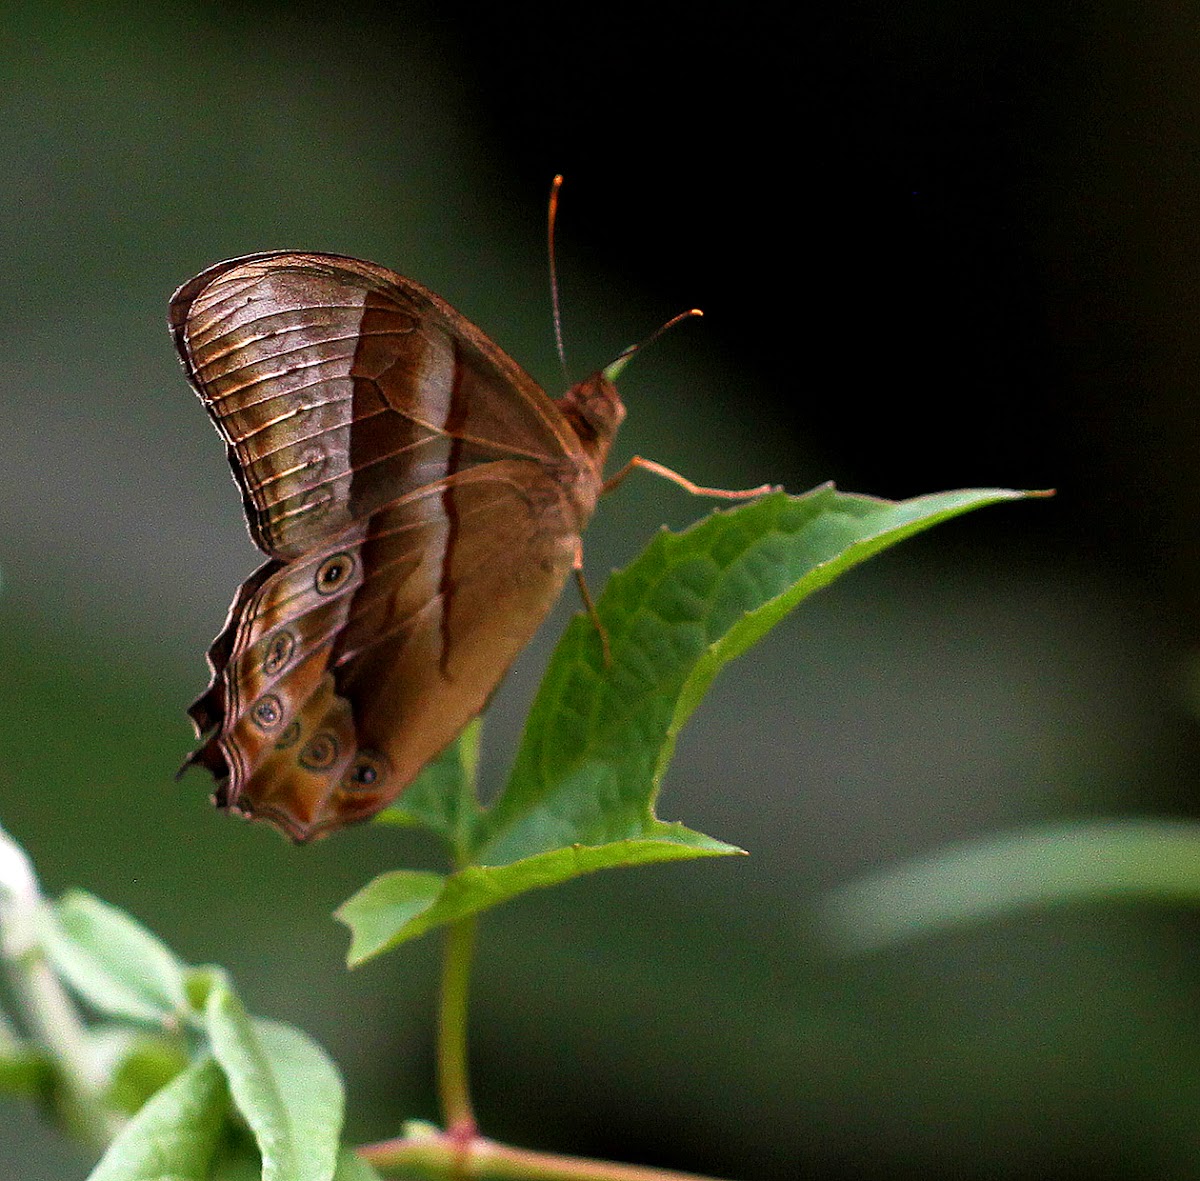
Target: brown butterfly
421 501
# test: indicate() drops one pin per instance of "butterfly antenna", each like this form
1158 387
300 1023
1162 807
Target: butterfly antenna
551 218
612 370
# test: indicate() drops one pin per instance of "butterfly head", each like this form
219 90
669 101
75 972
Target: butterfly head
595 411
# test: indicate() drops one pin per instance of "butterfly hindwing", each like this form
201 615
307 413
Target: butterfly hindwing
344 672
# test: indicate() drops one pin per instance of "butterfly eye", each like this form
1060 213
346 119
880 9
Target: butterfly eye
268 713
333 572
279 652
320 754
367 771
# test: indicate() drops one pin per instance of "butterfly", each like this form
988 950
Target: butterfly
421 502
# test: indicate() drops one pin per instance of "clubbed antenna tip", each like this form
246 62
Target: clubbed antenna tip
613 369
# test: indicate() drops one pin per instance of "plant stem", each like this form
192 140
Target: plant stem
442 1156
453 1088
459 1153
55 1026
51 1018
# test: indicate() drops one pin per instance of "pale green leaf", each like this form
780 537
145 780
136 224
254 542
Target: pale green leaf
352 1167
174 1137
1154 861
284 1085
111 960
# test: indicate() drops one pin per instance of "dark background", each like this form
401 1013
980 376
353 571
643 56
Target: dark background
937 245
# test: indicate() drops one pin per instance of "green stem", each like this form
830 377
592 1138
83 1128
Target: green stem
55 1025
443 1156
453 1086
454 1091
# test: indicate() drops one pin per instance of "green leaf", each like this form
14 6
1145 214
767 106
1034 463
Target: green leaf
25 1073
201 982
352 1167
979 881
237 1159
284 1085
582 793
111 960
388 910
443 796
401 905
175 1135
136 1064
242 1163
599 739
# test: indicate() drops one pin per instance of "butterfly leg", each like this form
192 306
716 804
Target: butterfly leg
695 489
589 603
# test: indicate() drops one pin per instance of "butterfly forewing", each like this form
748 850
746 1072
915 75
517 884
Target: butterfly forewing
421 500
335 382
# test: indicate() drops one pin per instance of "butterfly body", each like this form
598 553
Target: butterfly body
421 502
